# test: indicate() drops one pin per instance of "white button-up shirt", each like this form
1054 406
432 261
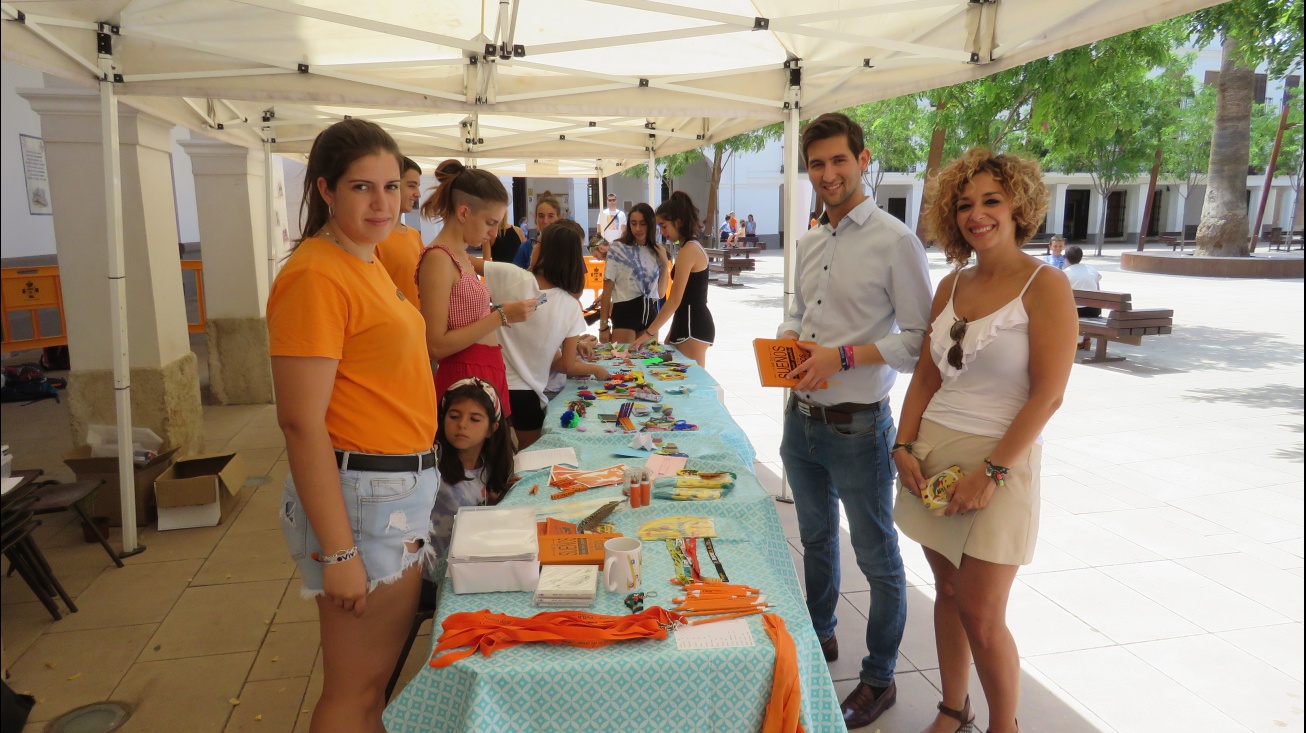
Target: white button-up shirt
865 282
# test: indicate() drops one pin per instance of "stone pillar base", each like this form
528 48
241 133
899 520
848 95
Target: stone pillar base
240 370
165 400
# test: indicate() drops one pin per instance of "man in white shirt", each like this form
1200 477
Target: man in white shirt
1083 277
612 221
861 306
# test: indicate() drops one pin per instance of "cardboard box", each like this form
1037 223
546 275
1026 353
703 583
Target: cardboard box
199 491
107 501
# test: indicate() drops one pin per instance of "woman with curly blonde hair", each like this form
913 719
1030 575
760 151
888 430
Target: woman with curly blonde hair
992 372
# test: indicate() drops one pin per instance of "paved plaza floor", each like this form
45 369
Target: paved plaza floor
1166 592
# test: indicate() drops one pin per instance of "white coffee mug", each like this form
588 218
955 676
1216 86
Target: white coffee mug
623 564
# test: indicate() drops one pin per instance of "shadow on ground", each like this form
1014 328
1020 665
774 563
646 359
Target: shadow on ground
1203 348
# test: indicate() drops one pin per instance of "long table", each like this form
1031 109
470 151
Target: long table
643 685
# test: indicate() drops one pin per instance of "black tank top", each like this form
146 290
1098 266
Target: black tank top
695 295
505 246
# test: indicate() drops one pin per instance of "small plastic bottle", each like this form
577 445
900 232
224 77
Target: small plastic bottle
645 488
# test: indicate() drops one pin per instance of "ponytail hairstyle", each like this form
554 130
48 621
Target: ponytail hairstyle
457 185
496 452
562 259
679 209
547 198
334 150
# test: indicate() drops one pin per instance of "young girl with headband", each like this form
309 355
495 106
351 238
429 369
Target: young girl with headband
461 320
357 405
475 456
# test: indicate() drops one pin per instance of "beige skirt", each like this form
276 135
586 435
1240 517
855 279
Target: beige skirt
1003 532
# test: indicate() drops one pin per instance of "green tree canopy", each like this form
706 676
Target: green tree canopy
897 133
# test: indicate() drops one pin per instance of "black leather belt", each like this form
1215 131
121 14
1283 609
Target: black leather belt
840 414
386 464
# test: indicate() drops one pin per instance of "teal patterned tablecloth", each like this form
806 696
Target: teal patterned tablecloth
646 686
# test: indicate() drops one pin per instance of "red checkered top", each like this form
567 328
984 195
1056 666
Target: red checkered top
469 300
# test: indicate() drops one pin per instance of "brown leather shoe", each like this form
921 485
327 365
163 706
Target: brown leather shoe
830 648
863 705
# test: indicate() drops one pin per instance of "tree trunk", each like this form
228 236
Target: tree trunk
931 169
1147 202
713 187
1223 229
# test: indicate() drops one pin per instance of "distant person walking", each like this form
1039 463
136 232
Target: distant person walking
612 221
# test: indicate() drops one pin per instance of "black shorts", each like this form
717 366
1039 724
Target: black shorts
527 412
635 314
692 322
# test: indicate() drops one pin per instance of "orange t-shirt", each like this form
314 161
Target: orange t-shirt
328 303
399 254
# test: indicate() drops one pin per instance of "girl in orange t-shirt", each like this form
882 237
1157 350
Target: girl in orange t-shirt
461 321
357 405
400 251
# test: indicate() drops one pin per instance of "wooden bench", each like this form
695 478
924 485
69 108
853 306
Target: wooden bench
1119 322
1041 241
1173 240
731 262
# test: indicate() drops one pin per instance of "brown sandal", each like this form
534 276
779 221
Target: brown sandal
965 716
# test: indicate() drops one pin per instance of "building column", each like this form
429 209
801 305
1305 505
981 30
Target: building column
1057 211
915 204
1096 205
1135 205
229 189
165 391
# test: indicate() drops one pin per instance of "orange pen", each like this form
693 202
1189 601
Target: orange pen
696 622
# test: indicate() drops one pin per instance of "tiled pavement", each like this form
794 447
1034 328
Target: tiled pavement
1166 593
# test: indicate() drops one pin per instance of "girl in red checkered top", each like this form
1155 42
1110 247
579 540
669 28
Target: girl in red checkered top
461 321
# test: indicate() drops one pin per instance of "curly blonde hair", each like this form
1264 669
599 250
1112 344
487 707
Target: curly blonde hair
1021 179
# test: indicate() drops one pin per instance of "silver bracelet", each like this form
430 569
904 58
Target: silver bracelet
504 316
336 558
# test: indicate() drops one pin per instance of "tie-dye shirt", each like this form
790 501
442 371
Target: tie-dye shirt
634 271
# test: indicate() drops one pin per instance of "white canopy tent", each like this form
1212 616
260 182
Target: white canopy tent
527 87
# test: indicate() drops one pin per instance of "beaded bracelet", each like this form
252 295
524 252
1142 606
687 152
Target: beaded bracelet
997 473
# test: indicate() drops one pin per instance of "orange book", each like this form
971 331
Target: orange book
573 549
776 358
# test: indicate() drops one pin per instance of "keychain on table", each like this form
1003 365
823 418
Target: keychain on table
635 601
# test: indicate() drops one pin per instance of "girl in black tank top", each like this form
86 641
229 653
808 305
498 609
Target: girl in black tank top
692 329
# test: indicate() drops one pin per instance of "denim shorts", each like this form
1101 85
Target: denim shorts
386 512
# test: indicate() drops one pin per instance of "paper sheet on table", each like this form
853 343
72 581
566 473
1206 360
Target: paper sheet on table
630 453
660 465
717 635
643 440
10 483
536 459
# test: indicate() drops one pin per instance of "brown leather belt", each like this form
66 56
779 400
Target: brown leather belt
840 414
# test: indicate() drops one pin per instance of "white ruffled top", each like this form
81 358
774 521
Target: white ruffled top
992 385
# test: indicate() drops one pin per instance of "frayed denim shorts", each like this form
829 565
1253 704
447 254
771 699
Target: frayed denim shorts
387 511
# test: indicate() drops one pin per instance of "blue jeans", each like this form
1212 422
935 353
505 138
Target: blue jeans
827 464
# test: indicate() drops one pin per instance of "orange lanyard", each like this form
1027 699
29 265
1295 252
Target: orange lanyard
486 632
784 709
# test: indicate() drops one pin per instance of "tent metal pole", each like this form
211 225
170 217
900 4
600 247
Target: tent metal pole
793 229
118 313
652 176
270 222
